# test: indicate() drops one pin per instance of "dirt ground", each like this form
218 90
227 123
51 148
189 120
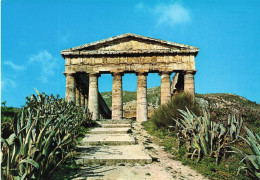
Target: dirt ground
163 166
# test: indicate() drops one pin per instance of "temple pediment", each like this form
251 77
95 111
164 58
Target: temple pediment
130 43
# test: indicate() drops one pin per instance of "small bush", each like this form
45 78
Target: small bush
164 115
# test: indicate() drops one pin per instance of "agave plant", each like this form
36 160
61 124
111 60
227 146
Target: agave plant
204 137
234 126
42 137
251 161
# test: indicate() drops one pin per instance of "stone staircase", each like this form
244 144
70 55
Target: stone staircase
111 143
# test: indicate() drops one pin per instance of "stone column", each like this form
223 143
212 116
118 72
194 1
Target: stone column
93 96
165 87
77 96
189 82
86 101
117 97
141 105
70 87
82 99
86 91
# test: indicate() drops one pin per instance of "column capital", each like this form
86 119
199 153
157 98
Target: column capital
69 73
190 72
142 73
117 73
165 72
94 75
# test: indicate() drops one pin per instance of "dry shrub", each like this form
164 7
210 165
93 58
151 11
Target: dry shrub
164 115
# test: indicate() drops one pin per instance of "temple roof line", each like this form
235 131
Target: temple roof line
130 35
163 51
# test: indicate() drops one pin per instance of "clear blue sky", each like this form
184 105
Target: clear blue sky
34 32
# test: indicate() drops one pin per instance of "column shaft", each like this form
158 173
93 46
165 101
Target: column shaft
77 96
86 91
141 105
189 82
70 88
117 97
93 96
165 88
86 101
82 99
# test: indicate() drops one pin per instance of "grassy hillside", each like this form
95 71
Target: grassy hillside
153 95
223 104
219 104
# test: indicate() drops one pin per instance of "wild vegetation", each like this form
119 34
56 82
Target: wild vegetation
217 138
43 137
251 160
7 115
195 134
220 105
204 137
220 131
164 115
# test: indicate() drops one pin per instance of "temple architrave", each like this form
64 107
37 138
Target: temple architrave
127 53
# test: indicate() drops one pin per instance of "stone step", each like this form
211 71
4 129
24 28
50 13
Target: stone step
111 155
112 121
107 139
110 130
115 125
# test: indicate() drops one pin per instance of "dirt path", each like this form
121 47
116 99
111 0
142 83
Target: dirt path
163 166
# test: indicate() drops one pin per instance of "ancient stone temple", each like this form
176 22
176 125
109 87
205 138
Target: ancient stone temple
127 53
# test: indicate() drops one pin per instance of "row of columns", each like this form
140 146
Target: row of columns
81 100
117 93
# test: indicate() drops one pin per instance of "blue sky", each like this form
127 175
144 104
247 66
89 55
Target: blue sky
34 32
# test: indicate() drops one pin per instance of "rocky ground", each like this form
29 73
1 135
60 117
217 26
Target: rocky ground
163 166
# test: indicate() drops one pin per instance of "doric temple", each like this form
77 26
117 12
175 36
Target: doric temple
127 53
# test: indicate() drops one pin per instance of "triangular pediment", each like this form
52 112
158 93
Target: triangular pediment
131 42
128 44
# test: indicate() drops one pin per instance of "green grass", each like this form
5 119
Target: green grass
107 96
129 96
153 96
227 169
64 171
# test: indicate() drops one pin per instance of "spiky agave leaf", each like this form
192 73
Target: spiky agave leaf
251 161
